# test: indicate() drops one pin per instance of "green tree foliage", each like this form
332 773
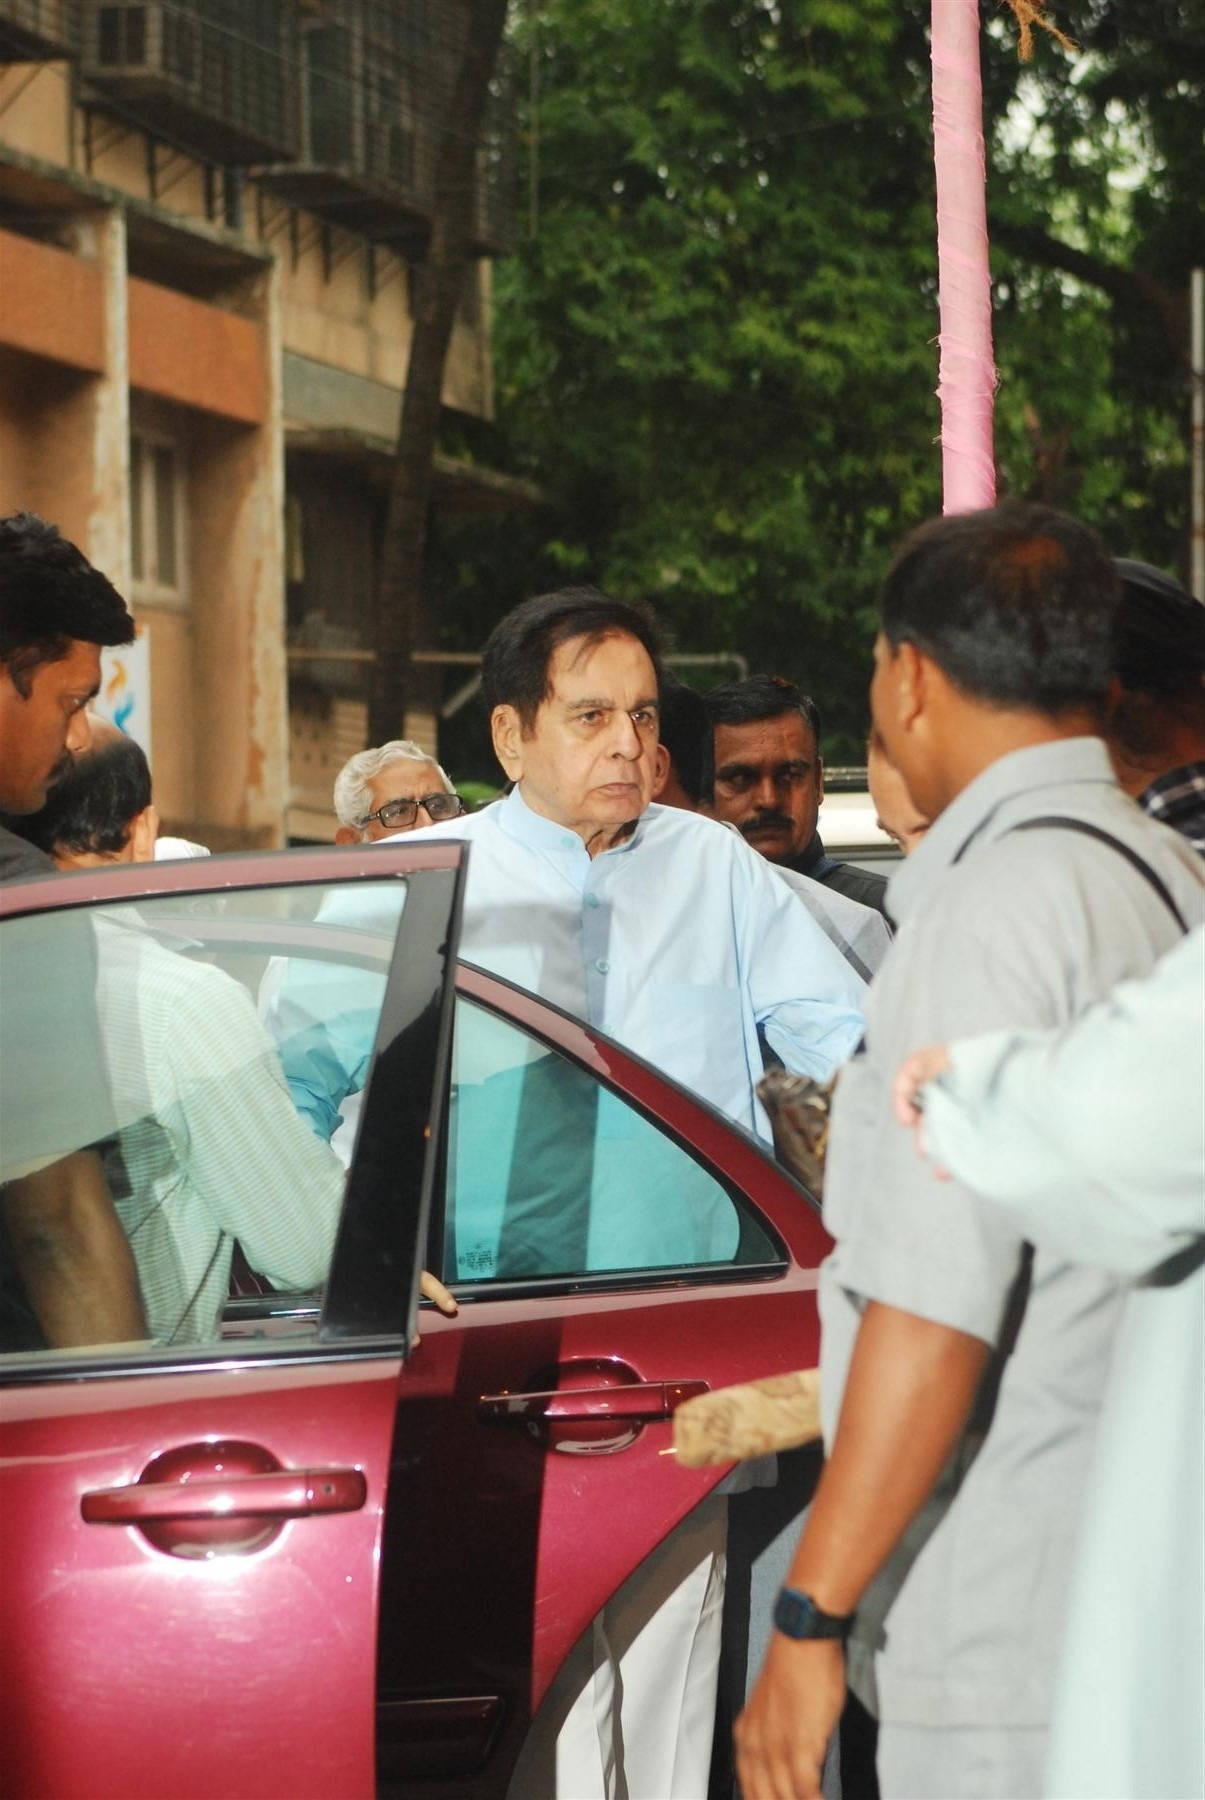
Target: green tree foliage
1097 210
716 349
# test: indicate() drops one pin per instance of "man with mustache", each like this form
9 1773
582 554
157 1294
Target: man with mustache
66 1273
769 780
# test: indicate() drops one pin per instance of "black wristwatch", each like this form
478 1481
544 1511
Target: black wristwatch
797 1616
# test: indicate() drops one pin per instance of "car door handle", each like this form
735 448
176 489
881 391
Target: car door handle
278 1494
635 1401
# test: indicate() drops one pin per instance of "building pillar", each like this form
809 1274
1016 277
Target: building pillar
238 575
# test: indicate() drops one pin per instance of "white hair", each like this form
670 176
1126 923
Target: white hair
353 797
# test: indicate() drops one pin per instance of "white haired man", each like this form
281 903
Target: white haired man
389 789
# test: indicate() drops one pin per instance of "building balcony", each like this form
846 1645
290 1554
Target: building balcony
213 76
36 30
375 80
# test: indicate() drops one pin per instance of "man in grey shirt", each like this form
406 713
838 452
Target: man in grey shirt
962 1372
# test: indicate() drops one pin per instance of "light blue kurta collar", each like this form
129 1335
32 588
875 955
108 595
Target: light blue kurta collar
532 829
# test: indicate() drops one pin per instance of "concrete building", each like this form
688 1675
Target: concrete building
209 213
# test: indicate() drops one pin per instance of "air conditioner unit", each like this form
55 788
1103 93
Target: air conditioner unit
146 43
35 29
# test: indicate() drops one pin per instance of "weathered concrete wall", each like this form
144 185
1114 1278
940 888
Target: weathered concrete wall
237 574
35 104
321 398
53 304
130 299
102 238
197 355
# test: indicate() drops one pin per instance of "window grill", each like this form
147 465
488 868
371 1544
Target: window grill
212 75
36 30
375 79
338 106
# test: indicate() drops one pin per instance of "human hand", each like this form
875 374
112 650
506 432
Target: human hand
431 1288
783 1733
920 1067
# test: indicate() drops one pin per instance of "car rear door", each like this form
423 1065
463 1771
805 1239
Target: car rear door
615 1246
192 1525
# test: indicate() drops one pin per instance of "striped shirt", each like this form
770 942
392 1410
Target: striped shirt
1178 800
210 1149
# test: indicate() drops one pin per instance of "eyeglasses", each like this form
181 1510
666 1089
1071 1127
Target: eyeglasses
397 814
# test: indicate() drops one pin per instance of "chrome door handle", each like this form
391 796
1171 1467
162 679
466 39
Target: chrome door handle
637 1402
280 1494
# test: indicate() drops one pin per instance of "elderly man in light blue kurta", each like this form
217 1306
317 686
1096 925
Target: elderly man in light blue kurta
668 933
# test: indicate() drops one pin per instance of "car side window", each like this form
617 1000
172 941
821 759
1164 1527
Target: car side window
140 1085
550 1173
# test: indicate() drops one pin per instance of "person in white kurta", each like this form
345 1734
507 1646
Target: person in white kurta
1092 1140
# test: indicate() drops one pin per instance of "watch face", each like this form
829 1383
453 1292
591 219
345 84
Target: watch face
797 1616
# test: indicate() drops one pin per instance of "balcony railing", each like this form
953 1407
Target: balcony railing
375 81
36 30
338 106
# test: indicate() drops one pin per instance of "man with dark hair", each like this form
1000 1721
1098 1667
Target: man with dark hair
77 1278
684 768
100 809
961 1370
767 779
56 611
683 730
1156 725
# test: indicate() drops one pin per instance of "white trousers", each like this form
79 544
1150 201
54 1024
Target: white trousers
630 1714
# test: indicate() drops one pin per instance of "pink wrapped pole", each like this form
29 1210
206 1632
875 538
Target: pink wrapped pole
967 374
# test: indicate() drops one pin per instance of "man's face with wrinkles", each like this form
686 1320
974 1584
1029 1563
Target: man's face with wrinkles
589 759
769 783
41 730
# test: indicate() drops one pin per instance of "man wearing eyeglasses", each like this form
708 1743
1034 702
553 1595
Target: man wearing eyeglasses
379 792
392 788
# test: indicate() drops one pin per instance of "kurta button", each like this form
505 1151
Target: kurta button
602 965
591 899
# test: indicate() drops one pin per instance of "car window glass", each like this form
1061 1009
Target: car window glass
180 1042
550 1173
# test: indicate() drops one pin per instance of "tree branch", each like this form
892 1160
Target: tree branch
1131 290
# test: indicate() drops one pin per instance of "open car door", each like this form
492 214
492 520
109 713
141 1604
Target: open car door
192 1503
616 1246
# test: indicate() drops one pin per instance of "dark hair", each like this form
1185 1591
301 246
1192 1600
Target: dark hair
685 730
50 596
519 650
1159 633
1159 661
761 697
93 805
1015 604
747 702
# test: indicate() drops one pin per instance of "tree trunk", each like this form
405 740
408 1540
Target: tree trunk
398 617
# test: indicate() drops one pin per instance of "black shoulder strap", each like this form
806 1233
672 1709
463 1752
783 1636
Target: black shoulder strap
1058 823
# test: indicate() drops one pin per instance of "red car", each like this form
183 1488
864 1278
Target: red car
282 1552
